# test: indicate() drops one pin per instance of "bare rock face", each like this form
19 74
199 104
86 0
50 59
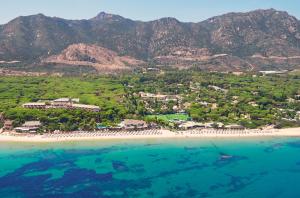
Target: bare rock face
100 58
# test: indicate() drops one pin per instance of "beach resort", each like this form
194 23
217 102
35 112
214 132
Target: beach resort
180 126
146 134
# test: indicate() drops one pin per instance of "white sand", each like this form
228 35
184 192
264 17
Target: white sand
165 134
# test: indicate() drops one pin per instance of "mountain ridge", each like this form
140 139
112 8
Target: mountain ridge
245 38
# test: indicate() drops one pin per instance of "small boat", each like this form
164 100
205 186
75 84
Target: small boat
225 156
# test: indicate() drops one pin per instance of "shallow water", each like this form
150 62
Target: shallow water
148 168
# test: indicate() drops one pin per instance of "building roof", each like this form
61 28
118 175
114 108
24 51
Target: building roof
234 126
133 122
76 100
62 100
26 129
32 124
22 128
191 124
273 72
159 96
34 104
85 106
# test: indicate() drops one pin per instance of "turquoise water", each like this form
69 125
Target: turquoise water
174 168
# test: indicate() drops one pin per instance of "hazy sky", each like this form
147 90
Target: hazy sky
184 10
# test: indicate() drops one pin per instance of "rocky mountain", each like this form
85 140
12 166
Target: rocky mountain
235 41
100 58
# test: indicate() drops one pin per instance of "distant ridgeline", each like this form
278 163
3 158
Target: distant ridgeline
251 41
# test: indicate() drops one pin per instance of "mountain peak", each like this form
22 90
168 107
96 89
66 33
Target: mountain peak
169 19
255 39
107 16
269 11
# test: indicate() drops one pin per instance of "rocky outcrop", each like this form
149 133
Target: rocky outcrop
100 58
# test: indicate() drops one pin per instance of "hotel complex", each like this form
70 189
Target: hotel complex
61 103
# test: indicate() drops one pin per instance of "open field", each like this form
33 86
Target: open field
170 117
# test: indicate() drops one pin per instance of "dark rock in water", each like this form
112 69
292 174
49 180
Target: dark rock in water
225 159
295 144
273 148
153 155
98 160
190 148
119 166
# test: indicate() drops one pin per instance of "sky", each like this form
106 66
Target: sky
145 10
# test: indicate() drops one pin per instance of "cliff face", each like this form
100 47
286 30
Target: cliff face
234 41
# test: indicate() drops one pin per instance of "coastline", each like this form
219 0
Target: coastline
157 134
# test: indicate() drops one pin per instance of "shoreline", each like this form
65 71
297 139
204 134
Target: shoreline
150 134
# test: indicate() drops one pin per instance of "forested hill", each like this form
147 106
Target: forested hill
231 42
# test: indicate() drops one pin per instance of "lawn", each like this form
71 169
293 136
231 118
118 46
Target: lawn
170 117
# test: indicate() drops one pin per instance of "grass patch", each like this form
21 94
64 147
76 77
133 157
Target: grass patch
170 117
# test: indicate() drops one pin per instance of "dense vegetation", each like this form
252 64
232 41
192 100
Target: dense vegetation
105 92
252 101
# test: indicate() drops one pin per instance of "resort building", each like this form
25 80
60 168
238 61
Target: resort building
298 115
191 125
153 69
214 125
100 126
8 125
235 127
61 103
238 73
86 107
29 127
159 97
273 72
218 124
133 124
216 88
65 101
35 105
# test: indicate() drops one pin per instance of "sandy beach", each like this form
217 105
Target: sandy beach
149 134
